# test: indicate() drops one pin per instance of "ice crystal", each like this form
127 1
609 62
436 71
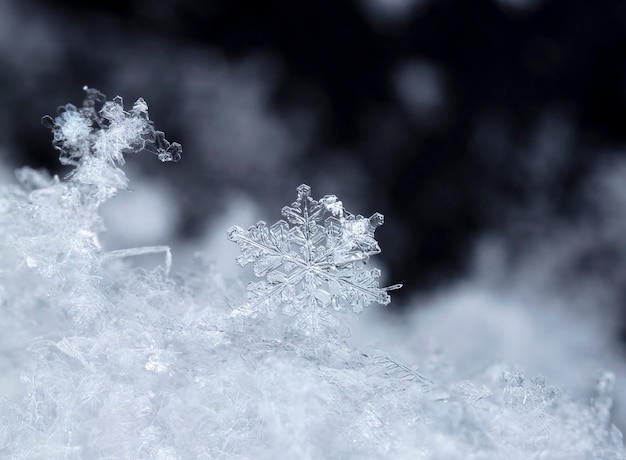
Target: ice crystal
52 226
312 261
95 137
394 368
104 129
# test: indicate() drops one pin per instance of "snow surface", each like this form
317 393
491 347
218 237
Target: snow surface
109 361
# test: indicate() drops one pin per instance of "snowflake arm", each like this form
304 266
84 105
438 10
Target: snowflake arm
313 260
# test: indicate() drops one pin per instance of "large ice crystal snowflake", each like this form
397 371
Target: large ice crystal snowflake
312 261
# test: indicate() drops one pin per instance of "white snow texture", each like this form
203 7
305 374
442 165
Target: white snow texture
115 362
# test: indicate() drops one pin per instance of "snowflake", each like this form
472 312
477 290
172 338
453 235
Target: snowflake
312 261
103 130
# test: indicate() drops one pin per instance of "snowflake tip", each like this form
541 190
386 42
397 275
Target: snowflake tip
393 287
48 121
377 220
333 205
303 191
234 233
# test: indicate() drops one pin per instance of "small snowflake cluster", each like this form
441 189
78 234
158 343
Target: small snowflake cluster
314 260
95 137
102 131
66 222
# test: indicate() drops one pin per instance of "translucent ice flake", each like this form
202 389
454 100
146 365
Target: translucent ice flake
103 130
313 260
394 368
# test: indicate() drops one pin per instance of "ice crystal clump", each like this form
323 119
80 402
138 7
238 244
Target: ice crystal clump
314 260
95 137
103 129
51 226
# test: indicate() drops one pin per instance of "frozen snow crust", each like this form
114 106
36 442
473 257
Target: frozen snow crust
124 363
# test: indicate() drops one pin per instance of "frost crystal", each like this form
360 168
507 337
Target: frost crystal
59 219
312 261
95 137
104 129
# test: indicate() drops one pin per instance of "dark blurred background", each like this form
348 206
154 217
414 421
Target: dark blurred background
453 118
